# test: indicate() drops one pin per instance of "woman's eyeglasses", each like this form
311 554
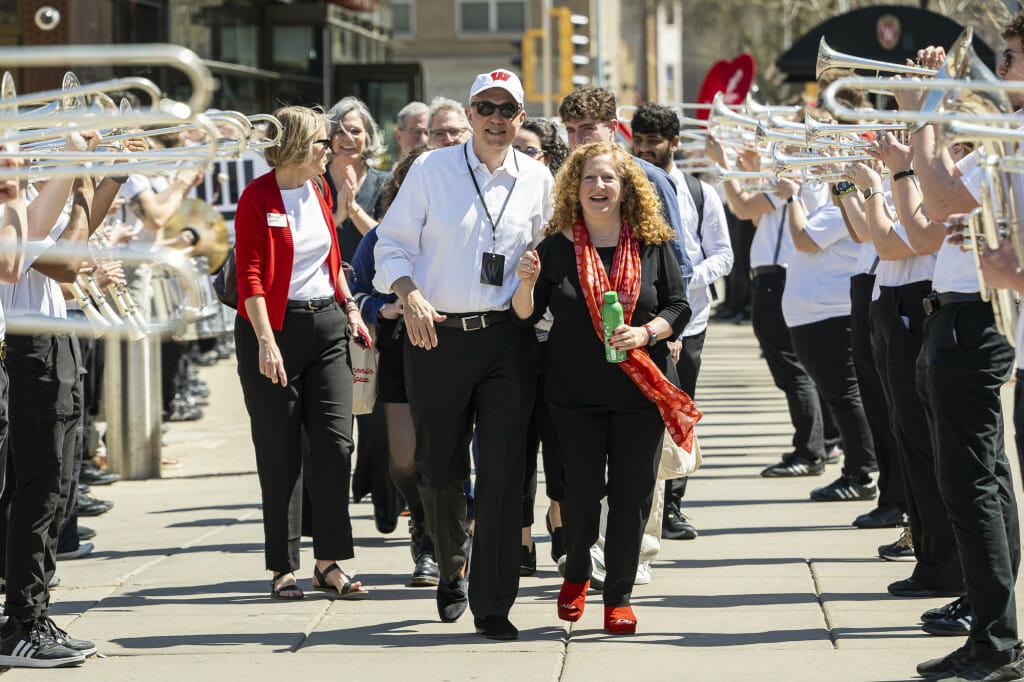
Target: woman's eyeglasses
529 151
507 110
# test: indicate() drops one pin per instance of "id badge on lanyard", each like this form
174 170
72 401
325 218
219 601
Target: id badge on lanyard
492 263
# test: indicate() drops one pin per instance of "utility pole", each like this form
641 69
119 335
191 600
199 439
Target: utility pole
545 60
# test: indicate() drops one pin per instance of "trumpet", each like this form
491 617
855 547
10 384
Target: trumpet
829 60
816 129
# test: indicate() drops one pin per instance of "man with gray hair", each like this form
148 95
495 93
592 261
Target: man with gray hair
448 123
411 127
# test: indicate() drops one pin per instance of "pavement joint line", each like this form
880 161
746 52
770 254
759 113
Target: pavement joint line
312 625
564 654
821 603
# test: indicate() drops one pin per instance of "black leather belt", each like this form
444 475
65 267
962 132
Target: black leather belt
471 322
765 270
934 301
311 303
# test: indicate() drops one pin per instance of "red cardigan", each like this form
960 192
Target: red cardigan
264 254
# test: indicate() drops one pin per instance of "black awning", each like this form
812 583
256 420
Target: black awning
887 33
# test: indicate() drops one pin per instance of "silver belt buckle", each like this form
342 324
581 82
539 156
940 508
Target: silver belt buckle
466 327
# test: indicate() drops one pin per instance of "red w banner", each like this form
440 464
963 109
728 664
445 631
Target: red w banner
731 78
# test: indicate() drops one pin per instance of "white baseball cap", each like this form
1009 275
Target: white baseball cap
499 78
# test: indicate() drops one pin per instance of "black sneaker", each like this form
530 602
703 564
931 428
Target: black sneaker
881 517
794 466
973 669
901 550
93 475
30 645
425 573
675 525
956 624
845 489
528 561
82 646
835 455
937 666
943 611
91 506
85 533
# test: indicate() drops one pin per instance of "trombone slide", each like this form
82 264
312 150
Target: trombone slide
100 325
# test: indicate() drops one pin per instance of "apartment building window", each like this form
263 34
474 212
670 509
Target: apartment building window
238 45
492 16
401 17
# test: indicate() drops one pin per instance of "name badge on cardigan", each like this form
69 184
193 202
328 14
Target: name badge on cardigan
277 220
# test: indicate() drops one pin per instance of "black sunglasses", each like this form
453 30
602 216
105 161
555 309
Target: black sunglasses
507 110
325 143
529 151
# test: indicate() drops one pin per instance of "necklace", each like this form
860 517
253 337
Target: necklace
604 239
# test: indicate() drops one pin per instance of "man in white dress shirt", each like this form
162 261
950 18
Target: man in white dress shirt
655 140
448 247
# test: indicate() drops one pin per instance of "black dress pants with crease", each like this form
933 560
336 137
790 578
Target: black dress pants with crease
824 350
43 371
872 393
318 398
805 410
963 364
899 315
489 374
627 440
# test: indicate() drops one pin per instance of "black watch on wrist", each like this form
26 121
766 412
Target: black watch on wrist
842 187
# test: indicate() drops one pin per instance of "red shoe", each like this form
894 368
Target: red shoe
619 620
571 599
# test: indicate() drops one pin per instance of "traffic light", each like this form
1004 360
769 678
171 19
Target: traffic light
568 42
526 61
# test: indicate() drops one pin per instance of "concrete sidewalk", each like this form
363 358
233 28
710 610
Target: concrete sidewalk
775 588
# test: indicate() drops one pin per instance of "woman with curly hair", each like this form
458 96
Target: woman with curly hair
607 234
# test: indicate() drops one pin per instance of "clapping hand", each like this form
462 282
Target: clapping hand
528 269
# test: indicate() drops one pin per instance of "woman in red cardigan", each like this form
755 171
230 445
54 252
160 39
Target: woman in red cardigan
295 316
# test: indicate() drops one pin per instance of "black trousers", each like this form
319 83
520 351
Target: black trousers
805 411
4 435
899 318
687 368
627 441
872 394
737 282
1018 415
318 398
43 371
964 362
540 435
487 373
824 349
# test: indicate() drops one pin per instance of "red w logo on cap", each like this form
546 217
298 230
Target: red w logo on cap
500 75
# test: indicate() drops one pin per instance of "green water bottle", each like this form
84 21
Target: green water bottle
611 316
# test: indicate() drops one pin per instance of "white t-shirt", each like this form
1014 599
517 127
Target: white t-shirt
894 273
766 237
34 293
311 241
144 238
818 284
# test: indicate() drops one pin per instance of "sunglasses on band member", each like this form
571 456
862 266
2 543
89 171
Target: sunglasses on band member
507 110
529 151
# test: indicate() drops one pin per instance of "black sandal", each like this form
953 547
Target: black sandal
348 588
293 586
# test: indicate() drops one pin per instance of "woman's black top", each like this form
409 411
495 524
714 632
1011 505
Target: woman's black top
576 372
368 197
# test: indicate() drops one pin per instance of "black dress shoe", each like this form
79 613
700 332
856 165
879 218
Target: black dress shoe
85 533
914 588
496 627
528 560
425 573
452 600
93 475
557 541
91 506
881 517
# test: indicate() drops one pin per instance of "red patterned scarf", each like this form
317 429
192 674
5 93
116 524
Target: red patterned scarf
677 409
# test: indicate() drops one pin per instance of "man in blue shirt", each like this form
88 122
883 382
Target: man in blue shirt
588 115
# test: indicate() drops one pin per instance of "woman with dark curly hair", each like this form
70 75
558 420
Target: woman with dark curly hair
607 235
538 138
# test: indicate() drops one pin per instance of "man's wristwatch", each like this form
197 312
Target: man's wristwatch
652 335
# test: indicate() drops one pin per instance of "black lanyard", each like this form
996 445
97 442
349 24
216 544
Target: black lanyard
472 176
778 238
